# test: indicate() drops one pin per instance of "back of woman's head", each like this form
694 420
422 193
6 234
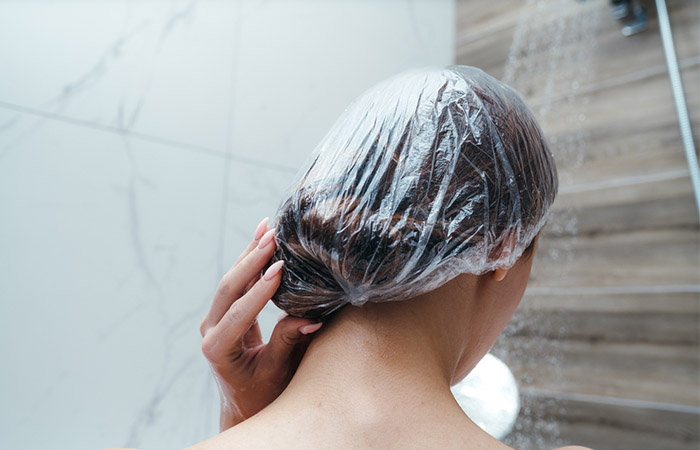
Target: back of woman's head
430 174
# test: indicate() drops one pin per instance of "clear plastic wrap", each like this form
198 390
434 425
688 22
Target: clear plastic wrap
432 173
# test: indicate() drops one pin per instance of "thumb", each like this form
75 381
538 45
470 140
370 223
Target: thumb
290 336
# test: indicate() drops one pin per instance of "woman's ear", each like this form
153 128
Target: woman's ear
505 250
499 274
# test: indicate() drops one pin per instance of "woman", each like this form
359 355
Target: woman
404 249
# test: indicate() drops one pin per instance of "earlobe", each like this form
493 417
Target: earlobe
499 274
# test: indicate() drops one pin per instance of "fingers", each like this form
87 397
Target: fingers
235 282
251 283
253 337
289 333
226 337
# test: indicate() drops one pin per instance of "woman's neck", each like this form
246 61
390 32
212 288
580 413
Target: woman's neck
355 357
379 376
382 366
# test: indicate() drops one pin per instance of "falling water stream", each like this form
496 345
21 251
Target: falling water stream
550 59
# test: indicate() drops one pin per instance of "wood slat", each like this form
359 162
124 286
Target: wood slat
605 344
652 205
481 17
641 258
683 300
640 371
601 426
669 318
627 131
485 33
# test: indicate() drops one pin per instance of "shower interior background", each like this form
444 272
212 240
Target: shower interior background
141 142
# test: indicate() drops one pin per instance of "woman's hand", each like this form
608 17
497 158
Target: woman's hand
249 373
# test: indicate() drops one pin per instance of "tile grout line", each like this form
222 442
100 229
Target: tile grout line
144 137
228 146
641 74
614 401
605 290
627 181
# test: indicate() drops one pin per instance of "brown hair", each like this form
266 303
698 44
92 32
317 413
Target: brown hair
499 182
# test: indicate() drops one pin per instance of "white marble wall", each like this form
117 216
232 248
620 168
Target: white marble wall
140 143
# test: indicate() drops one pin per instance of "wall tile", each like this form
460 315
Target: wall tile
140 144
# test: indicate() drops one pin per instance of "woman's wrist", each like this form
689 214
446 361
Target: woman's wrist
229 416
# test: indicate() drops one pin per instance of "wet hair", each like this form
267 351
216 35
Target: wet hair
430 174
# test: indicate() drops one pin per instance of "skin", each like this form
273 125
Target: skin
249 373
378 376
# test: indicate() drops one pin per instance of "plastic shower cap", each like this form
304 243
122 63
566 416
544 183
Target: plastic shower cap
432 173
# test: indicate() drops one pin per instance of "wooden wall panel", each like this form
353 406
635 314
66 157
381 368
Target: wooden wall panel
605 344
599 424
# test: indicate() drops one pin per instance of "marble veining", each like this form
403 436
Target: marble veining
140 144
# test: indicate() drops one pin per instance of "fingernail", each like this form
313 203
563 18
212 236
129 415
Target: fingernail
267 237
262 226
272 270
308 329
